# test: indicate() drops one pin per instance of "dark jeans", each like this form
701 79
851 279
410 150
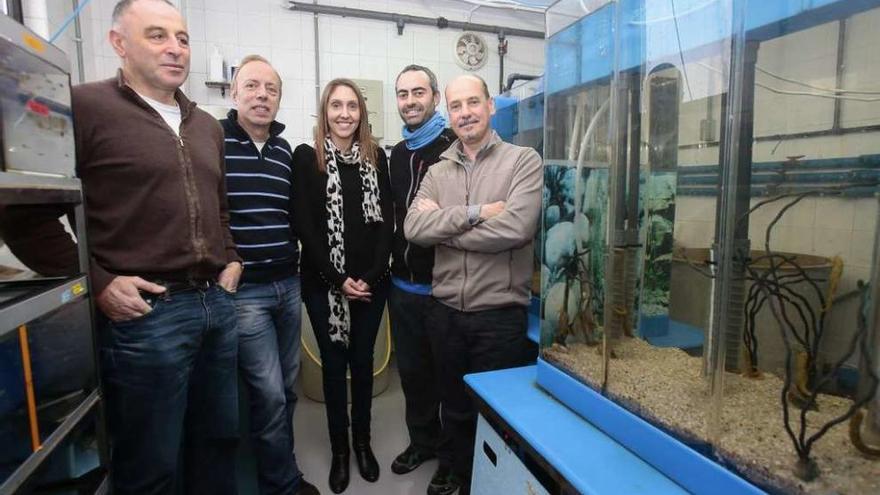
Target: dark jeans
269 317
417 367
471 342
170 382
336 359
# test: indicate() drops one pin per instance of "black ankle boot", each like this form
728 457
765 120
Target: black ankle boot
363 454
339 463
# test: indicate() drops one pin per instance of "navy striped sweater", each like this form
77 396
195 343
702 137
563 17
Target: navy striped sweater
260 190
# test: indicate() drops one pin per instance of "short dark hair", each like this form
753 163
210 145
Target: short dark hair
432 78
123 5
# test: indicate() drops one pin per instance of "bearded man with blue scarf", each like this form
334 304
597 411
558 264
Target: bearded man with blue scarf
426 136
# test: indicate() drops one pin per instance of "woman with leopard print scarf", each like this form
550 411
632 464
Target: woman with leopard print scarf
342 202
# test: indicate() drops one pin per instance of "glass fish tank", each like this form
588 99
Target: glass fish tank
709 240
519 113
519 119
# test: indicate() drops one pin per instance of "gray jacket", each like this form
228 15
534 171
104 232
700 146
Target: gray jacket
488 265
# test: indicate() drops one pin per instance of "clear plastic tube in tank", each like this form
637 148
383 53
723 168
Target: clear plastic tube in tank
724 242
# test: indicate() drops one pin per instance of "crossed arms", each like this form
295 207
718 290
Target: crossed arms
505 225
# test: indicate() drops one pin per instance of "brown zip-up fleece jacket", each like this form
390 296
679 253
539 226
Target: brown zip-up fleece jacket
155 202
487 265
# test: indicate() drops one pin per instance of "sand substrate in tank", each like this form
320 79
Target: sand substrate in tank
664 385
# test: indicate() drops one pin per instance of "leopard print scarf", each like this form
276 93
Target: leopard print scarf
340 319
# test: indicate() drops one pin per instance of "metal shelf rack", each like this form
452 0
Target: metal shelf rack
51 408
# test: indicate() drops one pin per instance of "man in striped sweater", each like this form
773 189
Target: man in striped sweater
259 186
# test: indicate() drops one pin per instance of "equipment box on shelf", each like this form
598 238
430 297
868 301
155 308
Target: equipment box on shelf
51 421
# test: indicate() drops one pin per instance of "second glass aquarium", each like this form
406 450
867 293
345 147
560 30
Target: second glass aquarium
710 232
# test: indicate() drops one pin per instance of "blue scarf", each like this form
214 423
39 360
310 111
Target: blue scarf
426 134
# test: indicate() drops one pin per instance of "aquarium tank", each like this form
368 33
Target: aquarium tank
519 112
709 235
519 119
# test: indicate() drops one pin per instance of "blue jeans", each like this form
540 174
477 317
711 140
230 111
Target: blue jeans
269 317
170 381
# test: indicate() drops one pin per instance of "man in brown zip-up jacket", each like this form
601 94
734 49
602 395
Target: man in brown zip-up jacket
156 199
163 262
479 207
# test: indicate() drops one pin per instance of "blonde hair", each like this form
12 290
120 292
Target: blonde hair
368 145
247 60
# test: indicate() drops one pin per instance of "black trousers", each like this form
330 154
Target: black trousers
416 362
336 359
471 342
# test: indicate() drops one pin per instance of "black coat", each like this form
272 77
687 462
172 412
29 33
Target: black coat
367 245
409 261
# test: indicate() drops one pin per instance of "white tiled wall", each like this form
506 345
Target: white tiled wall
822 226
808 56
355 48
862 53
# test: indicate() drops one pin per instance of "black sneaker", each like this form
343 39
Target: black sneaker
444 482
306 488
409 460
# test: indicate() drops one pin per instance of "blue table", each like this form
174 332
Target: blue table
577 454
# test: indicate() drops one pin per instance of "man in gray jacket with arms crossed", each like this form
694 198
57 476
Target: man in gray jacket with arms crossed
479 207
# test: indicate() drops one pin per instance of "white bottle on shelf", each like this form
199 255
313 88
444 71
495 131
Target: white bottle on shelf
231 70
216 68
